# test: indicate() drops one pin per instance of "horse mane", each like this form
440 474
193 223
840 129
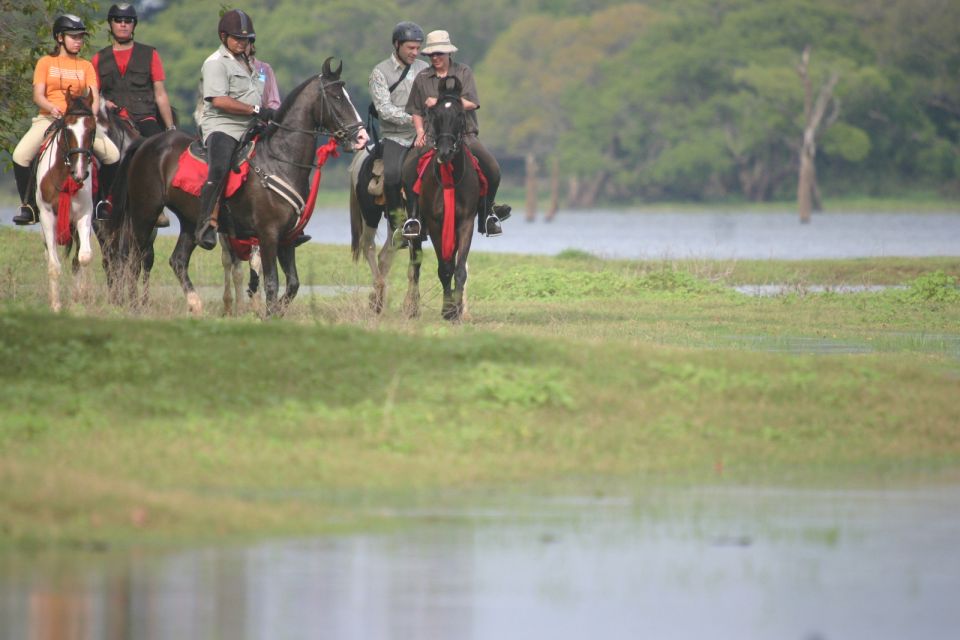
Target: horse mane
291 98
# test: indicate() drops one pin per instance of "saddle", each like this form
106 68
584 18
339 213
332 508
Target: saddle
192 168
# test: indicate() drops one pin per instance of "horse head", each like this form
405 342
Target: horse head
447 119
79 129
337 114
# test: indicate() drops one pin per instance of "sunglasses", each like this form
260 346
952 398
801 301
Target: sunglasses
435 54
124 20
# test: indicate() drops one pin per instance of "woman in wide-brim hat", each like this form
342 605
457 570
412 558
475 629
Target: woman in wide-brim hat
423 95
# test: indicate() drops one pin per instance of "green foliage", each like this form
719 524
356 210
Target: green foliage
643 100
25 36
937 287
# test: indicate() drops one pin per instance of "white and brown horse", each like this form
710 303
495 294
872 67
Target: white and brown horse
65 192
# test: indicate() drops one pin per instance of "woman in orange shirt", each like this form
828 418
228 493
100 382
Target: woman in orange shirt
63 69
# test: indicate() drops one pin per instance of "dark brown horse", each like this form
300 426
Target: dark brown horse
320 105
449 176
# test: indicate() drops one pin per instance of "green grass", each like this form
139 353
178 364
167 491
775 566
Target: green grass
122 426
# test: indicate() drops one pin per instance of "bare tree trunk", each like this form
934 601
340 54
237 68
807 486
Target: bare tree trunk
531 173
554 190
573 191
813 112
530 167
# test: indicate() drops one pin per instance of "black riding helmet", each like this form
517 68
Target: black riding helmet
406 32
238 24
68 23
122 10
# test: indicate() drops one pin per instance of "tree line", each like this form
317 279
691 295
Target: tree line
622 101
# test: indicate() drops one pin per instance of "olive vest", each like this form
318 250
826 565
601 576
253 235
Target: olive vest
133 90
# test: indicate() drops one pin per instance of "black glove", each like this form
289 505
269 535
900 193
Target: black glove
266 114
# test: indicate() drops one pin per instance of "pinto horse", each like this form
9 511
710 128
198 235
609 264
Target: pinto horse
448 186
366 213
64 192
284 154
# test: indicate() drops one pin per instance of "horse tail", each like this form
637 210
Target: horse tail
356 223
119 232
121 185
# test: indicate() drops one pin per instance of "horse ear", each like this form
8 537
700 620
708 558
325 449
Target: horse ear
330 73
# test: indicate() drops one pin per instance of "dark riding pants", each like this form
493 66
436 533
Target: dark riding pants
393 156
220 148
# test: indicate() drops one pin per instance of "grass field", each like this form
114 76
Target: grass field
571 372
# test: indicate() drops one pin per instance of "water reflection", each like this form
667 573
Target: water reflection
717 563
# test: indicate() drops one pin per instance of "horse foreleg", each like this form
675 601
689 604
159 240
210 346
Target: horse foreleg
459 295
146 264
48 223
84 229
180 263
287 256
253 289
232 278
368 246
271 277
445 271
411 304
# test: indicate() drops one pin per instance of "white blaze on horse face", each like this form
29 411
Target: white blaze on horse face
79 162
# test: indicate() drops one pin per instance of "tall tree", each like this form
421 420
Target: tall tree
24 37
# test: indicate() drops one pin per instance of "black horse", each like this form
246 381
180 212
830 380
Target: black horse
320 105
449 198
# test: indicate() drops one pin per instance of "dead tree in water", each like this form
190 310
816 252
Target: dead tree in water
813 114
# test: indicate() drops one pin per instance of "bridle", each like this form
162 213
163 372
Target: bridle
341 132
68 152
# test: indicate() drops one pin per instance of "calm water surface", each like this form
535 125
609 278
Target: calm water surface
682 563
718 235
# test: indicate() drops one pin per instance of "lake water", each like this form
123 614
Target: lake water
737 563
719 234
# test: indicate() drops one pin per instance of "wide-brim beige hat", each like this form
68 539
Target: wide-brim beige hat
437 42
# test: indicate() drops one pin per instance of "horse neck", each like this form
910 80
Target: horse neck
292 143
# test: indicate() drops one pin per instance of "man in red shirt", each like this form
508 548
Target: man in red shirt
131 75
131 83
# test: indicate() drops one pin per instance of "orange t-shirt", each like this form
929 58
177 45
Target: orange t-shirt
60 73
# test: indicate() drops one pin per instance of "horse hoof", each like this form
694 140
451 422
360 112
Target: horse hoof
194 304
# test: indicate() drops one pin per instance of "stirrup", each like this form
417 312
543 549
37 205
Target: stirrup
411 228
26 216
492 226
103 210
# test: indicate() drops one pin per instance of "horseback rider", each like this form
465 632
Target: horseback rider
423 95
55 74
232 95
390 84
131 75
131 82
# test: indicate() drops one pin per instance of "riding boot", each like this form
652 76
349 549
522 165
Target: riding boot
27 213
105 177
206 233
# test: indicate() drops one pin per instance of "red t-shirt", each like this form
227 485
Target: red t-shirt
123 56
